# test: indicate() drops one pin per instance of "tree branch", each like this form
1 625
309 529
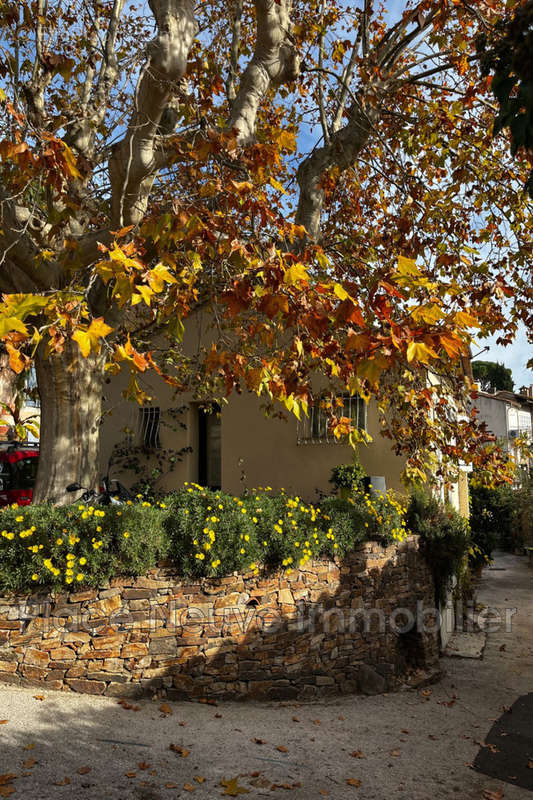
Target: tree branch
275 61
133 165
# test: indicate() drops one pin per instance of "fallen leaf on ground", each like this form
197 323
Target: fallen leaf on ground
258 741
395 753
206 701
5 791
131 774
353 782
7 777
218 716
39 697
143 765
281 748
492 795
83 770
28 764
29 746
199 778
357 754
316 722
295 719
171 785
64 782
530 765
165 708
232 787
405 730
288 786
324 792
189 787
181 751
4 721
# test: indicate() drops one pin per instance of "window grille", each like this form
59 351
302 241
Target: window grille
314 429
149 423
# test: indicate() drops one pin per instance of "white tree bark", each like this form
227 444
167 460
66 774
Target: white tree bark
133 165
275 61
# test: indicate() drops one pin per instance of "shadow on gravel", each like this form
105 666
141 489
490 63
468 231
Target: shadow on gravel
508 754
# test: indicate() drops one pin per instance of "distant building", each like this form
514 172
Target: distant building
509 416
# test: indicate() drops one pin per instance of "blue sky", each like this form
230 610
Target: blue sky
514 356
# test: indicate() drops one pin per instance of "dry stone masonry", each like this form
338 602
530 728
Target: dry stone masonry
359 625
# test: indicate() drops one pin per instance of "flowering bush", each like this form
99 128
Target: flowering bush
199 531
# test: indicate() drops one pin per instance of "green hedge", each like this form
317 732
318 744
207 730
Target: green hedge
201 532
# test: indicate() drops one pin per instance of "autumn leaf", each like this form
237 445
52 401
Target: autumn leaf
232 787
83 770
40 697
199 779
353 782
418 351
29 763
165 708
357 754
89 339
189 787
64 782
5 791
180 751
4 721
295 275
281 748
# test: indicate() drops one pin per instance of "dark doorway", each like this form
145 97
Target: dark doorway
209 447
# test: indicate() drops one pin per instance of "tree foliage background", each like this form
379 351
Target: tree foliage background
318 179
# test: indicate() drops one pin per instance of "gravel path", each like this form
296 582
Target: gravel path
416 745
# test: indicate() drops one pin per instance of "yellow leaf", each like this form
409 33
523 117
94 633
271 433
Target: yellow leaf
232 787
418 351
90 339
84 341
466 320
2 95
406 267
430 314
295 274
8 324
70 162
341 292
160 275
277 185
145 292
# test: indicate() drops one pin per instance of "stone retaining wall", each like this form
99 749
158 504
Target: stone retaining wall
323 629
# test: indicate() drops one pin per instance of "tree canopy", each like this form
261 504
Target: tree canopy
492 376
319 179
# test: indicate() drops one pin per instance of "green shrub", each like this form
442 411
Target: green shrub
199 531
445 537
45 546
348 476
493 518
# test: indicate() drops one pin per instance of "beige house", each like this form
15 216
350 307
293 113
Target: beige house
238 447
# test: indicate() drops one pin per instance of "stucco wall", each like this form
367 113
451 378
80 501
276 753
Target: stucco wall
353 626
256 451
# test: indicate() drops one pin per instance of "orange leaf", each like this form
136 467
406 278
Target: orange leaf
353 782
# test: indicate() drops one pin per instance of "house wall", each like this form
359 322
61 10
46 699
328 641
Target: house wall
494 413
256 450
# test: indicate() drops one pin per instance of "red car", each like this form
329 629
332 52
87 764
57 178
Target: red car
18 470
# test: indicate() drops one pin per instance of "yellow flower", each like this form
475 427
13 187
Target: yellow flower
146 504
19 519
35 577
59 541
246 538
126 534
243 511
99 529
79 576
254 519
69 571
243 551
69 579
83 561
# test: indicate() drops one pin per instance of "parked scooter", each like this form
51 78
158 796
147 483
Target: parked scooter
112 492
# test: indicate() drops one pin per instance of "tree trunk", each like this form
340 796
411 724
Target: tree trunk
70 387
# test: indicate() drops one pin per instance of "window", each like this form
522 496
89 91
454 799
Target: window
149 423
314 429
